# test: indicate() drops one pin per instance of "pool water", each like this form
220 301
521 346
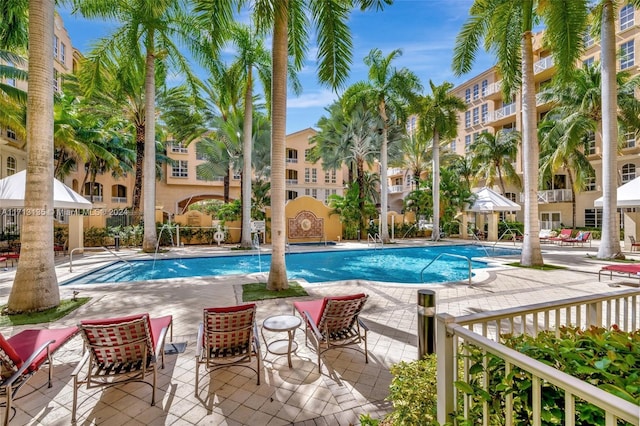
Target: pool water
398 265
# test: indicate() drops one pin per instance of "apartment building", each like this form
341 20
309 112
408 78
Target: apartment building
487 111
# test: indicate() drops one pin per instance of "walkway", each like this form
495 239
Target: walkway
347 386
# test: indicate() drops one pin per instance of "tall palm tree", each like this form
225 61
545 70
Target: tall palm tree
389 90
493 158
13 101
416 156
507 29
291 26
35 286
149 26
439 120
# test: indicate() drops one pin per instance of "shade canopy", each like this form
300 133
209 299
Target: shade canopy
628 195
12 189
490 201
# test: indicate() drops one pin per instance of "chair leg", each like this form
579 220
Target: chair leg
7 409
75 400
197 376
366 351
153 392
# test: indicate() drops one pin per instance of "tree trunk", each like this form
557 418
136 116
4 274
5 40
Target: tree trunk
573 198
149 241
225 191
247 130
531 251
435 190
610 240
35 286
137 185
278 270
360 180
384 183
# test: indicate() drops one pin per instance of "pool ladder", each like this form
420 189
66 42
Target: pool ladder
458 256
375 238
103 248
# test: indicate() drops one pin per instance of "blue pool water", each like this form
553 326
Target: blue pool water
399 265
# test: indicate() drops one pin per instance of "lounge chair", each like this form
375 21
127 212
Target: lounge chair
545 235
119 351
22 355
334 322
564 234
228 336
634 245
580 238
629 269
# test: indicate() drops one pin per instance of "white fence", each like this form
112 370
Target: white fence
484 330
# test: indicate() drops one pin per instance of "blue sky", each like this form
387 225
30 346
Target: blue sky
425 31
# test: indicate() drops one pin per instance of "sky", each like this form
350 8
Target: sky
425 31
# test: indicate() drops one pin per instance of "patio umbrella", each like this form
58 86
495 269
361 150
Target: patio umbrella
12 189
490 201
628 195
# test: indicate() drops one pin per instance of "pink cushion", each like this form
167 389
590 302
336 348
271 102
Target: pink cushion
27 341
228 309
630 269
10 352
316 307
155 324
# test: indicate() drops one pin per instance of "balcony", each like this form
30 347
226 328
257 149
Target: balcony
291 181
395 189
292 160
395 171
119 200
543 64
552 196
493 88
502 113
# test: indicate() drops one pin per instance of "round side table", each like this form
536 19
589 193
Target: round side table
281 324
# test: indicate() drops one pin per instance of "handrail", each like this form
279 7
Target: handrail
375 238
451 255
105 248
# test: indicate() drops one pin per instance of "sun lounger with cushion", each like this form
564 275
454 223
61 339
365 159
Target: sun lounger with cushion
629 269
564 234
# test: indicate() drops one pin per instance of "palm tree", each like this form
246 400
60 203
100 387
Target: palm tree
13 101
148 26
507 29
35 286
334 57
416 155
388 90
493 158
439 120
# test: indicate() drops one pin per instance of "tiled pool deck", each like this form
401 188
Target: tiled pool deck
347 386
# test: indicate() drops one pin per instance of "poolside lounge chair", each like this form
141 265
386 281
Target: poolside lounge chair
228 336
119 351
634 245
334 322
545 235
564 234
629 269
22 355
581 238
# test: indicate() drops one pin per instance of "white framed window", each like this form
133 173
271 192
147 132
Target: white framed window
292 156
484 112
589 61
590 183
63 53
55 46
467 119
626 17
307 175
629 140
180 169
590 147
292 195
11 134
178 147
452 146
467 95
330 176
311 192
627 54
476 91
56 82
476 116
307 154
550 220
587 39
476 136
314 175
485 85
11 166
628 172
467 142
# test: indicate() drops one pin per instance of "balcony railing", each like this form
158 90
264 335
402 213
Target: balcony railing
501 113
485 330
395 171
552 196
543 64
291 181
292 160
492 88
118 199
394 189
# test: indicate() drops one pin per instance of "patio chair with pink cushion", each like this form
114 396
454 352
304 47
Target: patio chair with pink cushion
22 355
334 322
121 350
228 336
564 234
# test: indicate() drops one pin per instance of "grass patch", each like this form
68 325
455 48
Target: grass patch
50 315
258 291
540 268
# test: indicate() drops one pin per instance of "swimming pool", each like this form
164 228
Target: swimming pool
398 265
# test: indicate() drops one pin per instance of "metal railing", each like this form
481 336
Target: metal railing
458 256
374 239
103 248
485 330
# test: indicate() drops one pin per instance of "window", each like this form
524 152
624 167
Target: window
476 116
476 91
11 166
627 55
590 184
292 195
467 119
588 39
485 113
467 95
311 192
292 156
550 220
307 154
307 174
314 175
11 81
237 175
628 172
55 46
626 17
330 176
467 142
180 169
476 136
629 140
593 218
452 146
485 84
11 134
119 194
511 196
589 62
178 147
590 144
94 190
56 83
63 52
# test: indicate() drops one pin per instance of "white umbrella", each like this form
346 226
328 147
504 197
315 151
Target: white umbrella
12 189
490 201
628 195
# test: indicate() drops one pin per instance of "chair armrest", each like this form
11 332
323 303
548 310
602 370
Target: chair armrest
26 364
81 364
199 340
362 324
255 336
160 344
313 325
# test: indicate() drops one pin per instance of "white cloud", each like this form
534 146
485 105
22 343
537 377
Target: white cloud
320 98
